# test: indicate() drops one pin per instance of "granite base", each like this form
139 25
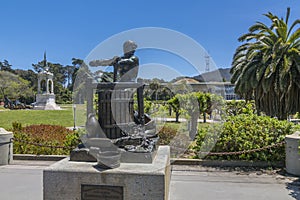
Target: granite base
131 181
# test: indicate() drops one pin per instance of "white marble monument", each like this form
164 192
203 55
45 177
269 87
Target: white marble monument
45 98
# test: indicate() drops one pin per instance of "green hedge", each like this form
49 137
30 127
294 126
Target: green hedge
176 137
46 135
237 107
244 132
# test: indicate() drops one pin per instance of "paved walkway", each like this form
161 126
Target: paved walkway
23 180
208 183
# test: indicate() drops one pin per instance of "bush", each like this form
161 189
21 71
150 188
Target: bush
233 108
17 126
245 132
45 135
166 134
176 138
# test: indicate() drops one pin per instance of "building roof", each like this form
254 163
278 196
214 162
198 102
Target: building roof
187 81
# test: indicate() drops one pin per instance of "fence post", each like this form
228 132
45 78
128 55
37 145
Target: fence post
292 160
6 147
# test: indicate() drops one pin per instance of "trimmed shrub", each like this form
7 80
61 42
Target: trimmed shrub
166 134
237 107
176 138
245 132
45 135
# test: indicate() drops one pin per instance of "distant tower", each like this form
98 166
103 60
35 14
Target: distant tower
207 57
45 98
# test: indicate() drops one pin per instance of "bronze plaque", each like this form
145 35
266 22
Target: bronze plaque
101 192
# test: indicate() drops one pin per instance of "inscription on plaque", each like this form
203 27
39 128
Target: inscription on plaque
101 192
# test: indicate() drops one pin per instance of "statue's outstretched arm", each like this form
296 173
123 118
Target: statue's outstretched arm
104 62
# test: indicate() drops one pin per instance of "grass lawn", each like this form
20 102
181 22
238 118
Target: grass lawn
27 117
62 117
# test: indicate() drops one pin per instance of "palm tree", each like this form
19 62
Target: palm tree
266 67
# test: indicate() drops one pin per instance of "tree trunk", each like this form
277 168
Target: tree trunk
283 116
170 110
177 116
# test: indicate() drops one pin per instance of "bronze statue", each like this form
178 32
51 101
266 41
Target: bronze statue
119 132
125 67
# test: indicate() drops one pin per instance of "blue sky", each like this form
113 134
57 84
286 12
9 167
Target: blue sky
73 28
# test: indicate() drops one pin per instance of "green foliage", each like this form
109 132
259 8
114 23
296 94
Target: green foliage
237 107
20 84
16 126
189 102
297 115
175 105
147 105
64 96
266 66
208 102
156 90
72 140
45 135
176 137
180 145
245 132
13 86
166 134
5 66
194 104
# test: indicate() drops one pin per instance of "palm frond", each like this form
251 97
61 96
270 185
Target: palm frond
294 37
295 23
258 26
247 37
288 10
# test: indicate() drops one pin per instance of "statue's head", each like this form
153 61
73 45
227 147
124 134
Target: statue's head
129 46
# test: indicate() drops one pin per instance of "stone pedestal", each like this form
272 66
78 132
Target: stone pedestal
46 102
292 161
6 147
131 181
83 155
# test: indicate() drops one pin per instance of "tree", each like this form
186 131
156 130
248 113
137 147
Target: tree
28 75
165 93
189 102
266 67
80 83
76 62
204 103
59 75
154 86
5 66
69 69
175 105
13 86
217 103
38 67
